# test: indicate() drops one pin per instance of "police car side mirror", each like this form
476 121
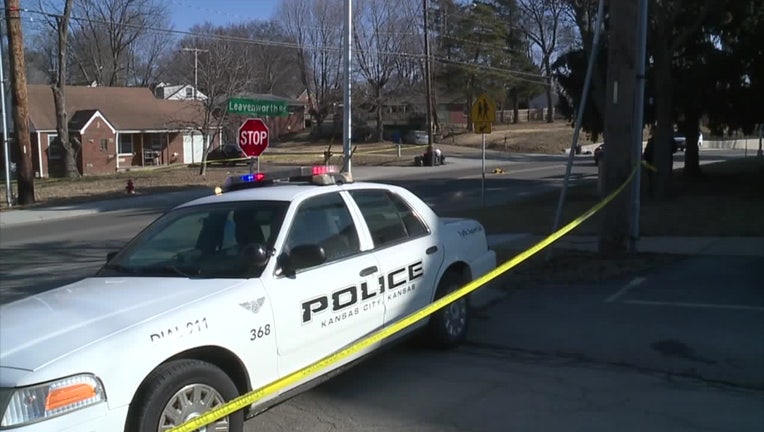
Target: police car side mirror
256 254
300 257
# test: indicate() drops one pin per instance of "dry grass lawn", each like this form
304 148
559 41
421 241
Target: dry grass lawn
534 137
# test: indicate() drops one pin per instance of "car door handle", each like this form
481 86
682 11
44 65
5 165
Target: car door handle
369 270
431 250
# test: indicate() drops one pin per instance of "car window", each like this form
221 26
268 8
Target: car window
325 221
389 218
204 241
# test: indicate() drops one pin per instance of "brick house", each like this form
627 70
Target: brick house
119 128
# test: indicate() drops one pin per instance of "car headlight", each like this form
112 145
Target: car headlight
39 402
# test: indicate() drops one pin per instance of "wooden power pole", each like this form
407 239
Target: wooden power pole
25 172
619 124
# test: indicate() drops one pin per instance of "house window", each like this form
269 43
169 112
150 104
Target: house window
189 92
105 145
156 142
125 144
55 149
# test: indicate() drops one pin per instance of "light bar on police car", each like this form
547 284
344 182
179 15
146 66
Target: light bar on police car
317 174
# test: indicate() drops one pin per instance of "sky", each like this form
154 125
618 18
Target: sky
186 13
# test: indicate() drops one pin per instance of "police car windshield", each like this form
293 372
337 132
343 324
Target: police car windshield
225 240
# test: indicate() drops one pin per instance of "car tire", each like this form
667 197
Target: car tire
448 327
162 390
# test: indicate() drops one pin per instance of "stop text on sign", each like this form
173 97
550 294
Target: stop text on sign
248 137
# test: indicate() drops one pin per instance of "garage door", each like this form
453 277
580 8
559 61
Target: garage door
193 146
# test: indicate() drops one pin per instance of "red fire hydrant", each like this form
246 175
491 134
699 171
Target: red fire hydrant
130 188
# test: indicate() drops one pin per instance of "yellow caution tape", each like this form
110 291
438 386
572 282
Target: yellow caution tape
278 155
649 166
393 148
248 399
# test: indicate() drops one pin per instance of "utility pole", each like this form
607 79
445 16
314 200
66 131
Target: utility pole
6 151
347 127
639 109
427 82
196 52
24 173
619 124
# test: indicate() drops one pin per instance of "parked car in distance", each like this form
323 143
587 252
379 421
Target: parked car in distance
418 137
227 154
680 143
599 152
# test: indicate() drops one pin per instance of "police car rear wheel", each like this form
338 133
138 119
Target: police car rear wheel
448 327
182 390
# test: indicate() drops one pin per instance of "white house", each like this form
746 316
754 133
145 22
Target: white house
177 92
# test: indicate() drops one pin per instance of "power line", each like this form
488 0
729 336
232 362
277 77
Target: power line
284 44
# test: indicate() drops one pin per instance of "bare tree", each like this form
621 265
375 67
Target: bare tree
107 32
58 27
543 21
144 66
316 27
274 64
379 39
41 54
222 72
71 146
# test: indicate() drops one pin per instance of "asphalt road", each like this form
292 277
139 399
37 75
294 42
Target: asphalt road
680 350
42 255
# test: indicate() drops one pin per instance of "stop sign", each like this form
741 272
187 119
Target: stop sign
253 137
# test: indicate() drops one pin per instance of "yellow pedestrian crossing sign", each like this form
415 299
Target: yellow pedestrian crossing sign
482 128
483 110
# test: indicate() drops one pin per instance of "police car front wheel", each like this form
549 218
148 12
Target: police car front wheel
448 326
181 390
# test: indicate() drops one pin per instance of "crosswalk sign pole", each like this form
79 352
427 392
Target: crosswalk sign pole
482 164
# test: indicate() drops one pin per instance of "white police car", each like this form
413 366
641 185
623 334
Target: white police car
228 293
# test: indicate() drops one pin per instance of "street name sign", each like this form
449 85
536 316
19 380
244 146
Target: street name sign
257 107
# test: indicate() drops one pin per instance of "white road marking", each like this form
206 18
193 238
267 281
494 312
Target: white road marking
634 282
695 305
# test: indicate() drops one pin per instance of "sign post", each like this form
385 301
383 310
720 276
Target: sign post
253 140
483 114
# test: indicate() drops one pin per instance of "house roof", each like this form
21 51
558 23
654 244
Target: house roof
171 90
80 118
126 108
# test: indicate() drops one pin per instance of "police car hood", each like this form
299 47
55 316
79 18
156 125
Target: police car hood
39 329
